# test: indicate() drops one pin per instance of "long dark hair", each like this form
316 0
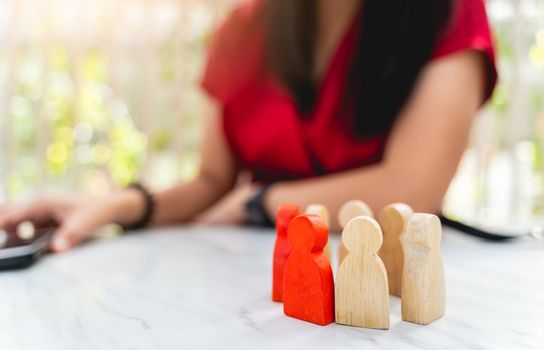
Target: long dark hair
394 41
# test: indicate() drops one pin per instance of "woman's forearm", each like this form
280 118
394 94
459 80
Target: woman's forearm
217 176
377 186
176 205
183 202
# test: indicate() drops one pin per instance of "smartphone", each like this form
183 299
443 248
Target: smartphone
20 251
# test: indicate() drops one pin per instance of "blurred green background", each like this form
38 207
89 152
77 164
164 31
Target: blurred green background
96 94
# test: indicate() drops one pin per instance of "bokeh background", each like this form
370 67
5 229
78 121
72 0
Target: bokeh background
97 93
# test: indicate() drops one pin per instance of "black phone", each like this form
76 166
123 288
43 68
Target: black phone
17 252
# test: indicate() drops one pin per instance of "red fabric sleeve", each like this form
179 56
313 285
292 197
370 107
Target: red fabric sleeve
235 51
469 29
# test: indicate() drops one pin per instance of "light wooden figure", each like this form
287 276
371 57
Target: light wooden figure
423 285
347 212
393 220
361 291
321 211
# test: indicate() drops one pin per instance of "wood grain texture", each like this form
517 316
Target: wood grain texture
286 213
308 285
423 285
361 290
347 212
393 221
321 211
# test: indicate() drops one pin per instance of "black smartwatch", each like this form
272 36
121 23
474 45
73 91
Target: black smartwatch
255 211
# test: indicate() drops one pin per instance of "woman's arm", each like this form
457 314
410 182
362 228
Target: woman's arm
217 175
423 151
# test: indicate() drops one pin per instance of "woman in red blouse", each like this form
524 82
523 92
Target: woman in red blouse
318 101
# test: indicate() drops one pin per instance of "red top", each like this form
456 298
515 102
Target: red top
261 122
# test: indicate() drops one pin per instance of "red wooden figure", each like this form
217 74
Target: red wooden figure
308 285
286 213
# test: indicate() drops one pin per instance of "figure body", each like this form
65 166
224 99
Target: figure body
286 213
393 221
308 289
423 285
361 290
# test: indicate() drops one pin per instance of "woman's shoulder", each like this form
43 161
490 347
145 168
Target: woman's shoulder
240 21
469 29
235 50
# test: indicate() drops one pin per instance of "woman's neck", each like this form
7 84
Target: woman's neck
333 20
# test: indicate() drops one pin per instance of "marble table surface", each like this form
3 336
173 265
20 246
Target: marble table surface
207 288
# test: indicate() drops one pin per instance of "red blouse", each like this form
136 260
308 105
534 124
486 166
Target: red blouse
260 119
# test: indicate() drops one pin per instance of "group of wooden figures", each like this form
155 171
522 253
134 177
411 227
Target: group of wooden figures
399 254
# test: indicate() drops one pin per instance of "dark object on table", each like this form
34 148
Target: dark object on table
20 252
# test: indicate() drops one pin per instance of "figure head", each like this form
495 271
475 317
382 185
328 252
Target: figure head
352 209
394 217
423 230
362 235
307 233
319 210
286 213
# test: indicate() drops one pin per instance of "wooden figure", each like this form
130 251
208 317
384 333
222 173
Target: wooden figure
321 211
347 212
393 220
286 213
423 285
361 290
308 286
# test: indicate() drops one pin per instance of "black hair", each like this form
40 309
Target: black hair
395 39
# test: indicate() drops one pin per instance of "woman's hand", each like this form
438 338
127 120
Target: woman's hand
230 209
76 218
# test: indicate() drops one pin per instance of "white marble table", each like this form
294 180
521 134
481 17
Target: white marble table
209 288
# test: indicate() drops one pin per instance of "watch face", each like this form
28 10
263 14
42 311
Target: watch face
253 213
259 218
